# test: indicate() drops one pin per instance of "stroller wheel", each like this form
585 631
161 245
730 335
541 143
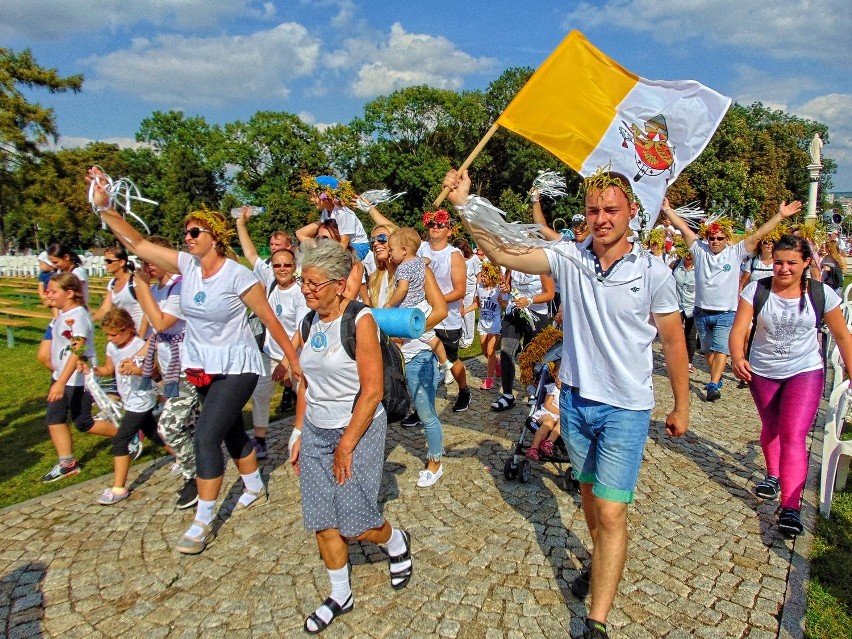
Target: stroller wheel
570 484
510 471
525 471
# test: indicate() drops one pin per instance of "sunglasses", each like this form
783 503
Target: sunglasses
382 238
109 261
436 225
283 265
194 232
717 239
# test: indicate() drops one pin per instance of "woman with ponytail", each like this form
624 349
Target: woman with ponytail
121 291
781 362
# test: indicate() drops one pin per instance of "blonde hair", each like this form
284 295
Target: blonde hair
408 238
118 319
69 282
220 230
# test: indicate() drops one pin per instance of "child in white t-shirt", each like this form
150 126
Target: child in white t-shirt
124 356
410 282
547 418
487 299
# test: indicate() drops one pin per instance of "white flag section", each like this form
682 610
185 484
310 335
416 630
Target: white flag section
659 128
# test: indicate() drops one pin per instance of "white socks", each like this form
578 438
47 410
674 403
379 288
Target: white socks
254 483
341 592
204 514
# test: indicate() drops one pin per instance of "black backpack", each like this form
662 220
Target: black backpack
256 326
396 399
816 293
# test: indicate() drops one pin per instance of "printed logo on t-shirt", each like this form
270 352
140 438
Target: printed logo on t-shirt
199 298
726 268
278 310
635 289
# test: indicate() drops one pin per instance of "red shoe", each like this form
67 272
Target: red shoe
547 447
532 454
487 384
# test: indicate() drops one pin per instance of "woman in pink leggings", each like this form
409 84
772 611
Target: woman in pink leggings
784 368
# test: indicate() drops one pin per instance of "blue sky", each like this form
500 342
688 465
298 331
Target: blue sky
323 59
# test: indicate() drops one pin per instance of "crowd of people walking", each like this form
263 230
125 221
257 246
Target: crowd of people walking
194 336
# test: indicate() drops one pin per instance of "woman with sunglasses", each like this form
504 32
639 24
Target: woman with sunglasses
287 301
219 352
759 266
120 289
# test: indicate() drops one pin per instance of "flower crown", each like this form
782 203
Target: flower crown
440 217
816 234
338 190
216 223
680 247
491 273
722 224
603 178
657 236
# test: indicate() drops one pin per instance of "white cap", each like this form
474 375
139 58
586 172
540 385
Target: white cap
44 259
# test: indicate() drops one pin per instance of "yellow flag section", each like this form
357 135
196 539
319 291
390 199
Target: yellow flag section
590 111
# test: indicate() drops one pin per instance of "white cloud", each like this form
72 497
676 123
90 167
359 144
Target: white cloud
182 72
782 29
403 60
51 19
72 142
835 110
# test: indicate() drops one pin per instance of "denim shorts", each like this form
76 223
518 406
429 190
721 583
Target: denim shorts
605 444
713 329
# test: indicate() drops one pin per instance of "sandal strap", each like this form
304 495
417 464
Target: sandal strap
205 531
398 559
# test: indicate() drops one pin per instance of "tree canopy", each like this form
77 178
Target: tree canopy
404 141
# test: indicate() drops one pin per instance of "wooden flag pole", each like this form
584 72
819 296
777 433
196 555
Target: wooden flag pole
469 160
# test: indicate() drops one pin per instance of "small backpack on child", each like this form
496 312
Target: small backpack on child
396 399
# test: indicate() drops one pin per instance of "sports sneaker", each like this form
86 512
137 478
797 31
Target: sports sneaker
188 495
260 450
448 378
713 392
108 498
691 368
445 366
594 630
487 384
59 471
288 400
790 523
412 421
462 401
768 488
135 447
581 584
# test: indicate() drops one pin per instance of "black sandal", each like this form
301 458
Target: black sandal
503 403
336 610
404 575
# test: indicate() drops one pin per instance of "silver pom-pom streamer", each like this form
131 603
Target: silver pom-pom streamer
369 199
110 408
481 213
550 184
693 214
122 192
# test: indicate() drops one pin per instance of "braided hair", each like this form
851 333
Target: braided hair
803 247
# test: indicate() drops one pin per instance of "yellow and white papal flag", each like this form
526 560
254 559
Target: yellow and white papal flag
590 111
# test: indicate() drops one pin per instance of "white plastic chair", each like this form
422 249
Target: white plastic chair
834 470
846 309
836 363
847 293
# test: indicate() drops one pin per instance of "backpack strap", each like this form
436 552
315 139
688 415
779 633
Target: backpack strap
347 326
271 288
174 283
307 320
131 286
816 292
761 294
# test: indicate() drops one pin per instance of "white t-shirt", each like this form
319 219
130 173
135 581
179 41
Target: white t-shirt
489 309
218 338
474 265
440 263
369 263
124 299
263 270
168 299
527 286
75 322
134 400
717 277
82 274
349 224
785 340
289 307
331 374
606 351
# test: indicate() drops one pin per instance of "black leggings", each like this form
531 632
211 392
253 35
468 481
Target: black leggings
516 331
131 424
221 420
691 335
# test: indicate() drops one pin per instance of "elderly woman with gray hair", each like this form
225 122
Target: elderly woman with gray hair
338 441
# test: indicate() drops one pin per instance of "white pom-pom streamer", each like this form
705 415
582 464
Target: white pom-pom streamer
122 192
369 199
550 184
693 214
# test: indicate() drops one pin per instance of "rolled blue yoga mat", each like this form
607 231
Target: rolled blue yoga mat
400 322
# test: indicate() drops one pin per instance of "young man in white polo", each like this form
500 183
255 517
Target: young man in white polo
717 278
611 290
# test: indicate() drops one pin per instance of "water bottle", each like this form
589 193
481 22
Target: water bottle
253 210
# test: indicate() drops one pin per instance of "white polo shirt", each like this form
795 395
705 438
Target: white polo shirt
606 349
717 277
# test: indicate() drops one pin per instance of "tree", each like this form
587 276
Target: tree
24 125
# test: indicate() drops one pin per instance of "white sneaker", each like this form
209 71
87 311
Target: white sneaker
448 378
428 478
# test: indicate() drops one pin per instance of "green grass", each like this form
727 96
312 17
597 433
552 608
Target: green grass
829 611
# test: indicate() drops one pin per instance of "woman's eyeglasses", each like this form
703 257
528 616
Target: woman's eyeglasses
109 261
381 239
283 265
194 232
313 287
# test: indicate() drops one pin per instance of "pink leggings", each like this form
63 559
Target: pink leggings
787 408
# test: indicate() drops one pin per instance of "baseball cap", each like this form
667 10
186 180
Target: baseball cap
577 219
44 259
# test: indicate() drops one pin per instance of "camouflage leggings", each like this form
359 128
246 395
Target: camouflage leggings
177 426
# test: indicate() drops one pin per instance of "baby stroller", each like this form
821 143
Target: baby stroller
517 465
